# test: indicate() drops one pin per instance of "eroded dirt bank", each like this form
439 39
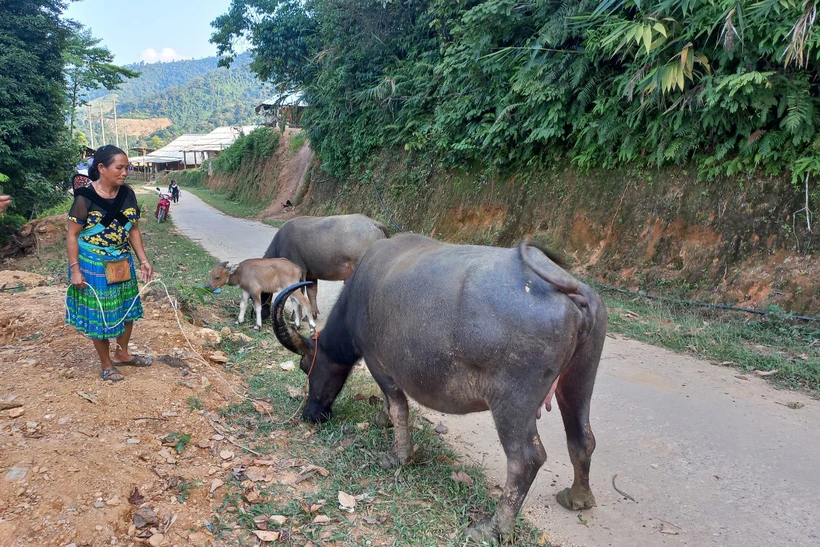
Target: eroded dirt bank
730 241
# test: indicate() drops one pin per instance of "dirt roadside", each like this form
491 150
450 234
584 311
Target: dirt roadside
76 449
712 457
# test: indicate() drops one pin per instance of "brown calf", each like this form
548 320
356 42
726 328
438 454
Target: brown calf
262 275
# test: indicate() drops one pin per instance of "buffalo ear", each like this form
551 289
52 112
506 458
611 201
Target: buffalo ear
224 264
232 269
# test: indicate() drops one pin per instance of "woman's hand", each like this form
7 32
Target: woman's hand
77 278
146 273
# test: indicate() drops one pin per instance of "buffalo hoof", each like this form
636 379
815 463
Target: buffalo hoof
483 532
575 500
315 315
256 327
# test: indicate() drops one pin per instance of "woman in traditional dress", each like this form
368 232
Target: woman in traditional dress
103 300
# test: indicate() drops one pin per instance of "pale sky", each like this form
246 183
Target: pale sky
151 30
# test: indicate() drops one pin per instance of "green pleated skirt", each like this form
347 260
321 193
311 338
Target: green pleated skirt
118 304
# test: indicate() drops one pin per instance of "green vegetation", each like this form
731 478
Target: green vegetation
35 151
774 342
297 141
157 77
61 208
216 98
196 95
89 66
225 201
728 84
247 149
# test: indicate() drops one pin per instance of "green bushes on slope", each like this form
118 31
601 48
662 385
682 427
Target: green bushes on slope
259 143
729 84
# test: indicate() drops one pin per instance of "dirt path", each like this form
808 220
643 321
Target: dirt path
710 456
75 449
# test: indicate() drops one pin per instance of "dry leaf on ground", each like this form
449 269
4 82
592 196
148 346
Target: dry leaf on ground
346 501
90 397
262 407
266 535
461 476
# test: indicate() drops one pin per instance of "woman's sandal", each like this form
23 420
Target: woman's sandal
137 361
111 375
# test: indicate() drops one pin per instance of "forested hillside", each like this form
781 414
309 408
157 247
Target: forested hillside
196 95
657 142
157 77
220 96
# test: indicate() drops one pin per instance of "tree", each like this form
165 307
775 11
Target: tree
282 34
34 149
87 67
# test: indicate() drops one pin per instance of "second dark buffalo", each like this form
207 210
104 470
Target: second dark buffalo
326 248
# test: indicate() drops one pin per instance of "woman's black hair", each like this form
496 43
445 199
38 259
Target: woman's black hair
105 156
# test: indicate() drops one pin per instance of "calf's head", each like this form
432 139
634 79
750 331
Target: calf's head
326 377
219 276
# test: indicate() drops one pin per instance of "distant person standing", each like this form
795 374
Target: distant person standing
5 201
174 190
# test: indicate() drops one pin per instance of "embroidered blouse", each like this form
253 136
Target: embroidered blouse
89 214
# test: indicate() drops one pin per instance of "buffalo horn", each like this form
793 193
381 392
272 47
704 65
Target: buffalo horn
286 334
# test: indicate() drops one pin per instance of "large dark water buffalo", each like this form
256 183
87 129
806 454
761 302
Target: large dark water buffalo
463 329
325 247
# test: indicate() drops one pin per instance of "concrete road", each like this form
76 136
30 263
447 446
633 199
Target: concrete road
709 455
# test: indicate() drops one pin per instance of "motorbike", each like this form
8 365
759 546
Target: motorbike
163 206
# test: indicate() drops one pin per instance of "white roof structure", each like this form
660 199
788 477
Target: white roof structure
219 139
185 147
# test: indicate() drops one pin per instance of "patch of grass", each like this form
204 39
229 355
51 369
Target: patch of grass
220 199
61 208
178 440
184 487
297 141
765 343
195 403
417 504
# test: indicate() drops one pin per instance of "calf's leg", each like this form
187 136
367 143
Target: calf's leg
574 393
297 313
242 307
525 456
257 307
302 306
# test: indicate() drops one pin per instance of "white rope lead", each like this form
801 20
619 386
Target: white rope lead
179 324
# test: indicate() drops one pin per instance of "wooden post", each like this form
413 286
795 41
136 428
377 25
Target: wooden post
102 126
116 129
